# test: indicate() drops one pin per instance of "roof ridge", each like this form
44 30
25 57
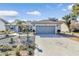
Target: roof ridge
4 21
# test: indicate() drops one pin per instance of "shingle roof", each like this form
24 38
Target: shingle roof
4 21
23 22
46 22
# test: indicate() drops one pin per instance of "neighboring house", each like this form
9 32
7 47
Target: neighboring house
13 27
3 25
16 28
75 25
46 26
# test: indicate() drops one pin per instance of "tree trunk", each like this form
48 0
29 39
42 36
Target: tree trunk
69 27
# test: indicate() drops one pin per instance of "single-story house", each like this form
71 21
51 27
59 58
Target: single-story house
3 25
40 27
46 26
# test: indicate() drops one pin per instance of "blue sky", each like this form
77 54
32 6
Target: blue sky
31 11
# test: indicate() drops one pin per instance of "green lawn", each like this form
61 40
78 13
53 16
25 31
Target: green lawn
76 32
71 33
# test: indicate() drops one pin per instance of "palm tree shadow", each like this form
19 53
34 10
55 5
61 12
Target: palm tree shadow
69 35
40 50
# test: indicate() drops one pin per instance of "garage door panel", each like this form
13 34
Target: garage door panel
45 29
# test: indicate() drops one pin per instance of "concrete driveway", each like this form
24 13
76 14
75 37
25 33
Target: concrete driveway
56 46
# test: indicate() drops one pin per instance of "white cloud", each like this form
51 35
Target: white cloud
70 7
10 20
64 9
36 13
59 18
8 13
22 19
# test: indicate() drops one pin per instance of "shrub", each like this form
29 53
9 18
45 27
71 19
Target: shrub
5 48
6 54
17 51
30 49
11 41
22 47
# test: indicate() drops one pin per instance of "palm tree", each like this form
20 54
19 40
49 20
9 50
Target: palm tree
67 20
72 16
75 9
22 25
19 24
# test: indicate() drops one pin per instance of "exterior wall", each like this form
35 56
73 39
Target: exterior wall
13 28
74 26
64 28
30 27
17 29
2 26
58 27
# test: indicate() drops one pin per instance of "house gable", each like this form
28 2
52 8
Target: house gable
3 24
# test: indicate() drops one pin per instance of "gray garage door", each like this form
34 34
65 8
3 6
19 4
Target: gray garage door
45 29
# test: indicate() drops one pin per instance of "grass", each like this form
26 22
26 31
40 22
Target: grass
76 32
75 39
6 32
71 32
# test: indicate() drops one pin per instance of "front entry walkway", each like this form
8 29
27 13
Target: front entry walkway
46 46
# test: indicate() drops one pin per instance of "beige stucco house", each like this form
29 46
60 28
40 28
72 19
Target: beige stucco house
46 26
